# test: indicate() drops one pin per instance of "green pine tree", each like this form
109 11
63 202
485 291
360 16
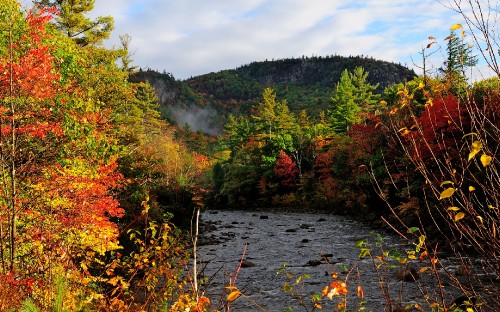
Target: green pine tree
352 95
344 108
73 22
459 59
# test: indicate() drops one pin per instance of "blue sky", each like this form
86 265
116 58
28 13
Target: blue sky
192 37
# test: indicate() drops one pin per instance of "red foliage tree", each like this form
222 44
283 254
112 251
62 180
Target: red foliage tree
286 169
438 129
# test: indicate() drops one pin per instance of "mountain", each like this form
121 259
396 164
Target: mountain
203 102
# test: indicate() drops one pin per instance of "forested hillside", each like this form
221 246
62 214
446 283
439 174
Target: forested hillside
305 83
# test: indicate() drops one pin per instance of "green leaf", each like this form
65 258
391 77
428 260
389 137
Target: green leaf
413 229
364 252
360 243
316 297
447 193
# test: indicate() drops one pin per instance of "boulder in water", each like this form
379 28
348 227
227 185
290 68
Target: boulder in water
247 264
407 274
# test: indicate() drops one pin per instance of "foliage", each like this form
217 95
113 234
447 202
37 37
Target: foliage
286 170
352 96
451 145
73 22
69 122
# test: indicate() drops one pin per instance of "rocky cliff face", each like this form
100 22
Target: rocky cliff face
324 71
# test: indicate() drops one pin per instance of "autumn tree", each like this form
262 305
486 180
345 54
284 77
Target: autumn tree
58 164
287 170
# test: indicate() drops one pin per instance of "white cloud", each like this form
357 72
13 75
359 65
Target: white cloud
192 37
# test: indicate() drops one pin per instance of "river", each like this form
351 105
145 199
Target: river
311 244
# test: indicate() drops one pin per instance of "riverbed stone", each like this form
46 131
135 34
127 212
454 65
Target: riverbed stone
247 264
314 262
462 270
407 274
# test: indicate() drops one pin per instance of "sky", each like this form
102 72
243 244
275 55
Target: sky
191 37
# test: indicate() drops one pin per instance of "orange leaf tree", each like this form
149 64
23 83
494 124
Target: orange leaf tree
58 172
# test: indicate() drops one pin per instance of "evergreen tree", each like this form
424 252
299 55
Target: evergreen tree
73 22
363 90
459 58
344 108
352 95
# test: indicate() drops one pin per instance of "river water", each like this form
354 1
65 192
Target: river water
310 244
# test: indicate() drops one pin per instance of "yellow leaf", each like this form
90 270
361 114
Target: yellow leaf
233 295
476 147
324 292
421 85
453 209
431 38
448 38
422 270
480 218
485 160
430 44
231 287
456 26
471 188
84 266
469 46
459 216
446 182
113 281
447 193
